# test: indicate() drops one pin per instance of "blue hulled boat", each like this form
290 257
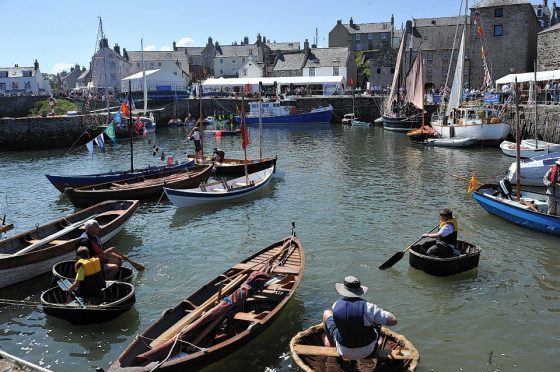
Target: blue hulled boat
275 113
63 182
529 212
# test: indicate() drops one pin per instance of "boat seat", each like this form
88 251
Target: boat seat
250 317
57 242
286 270
219 190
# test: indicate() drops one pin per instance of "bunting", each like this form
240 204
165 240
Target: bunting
110 132
487 79
89 146
100 141
118 119
124 109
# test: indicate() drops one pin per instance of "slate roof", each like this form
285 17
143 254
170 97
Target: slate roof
287 62
83 75
368 28
156 55
327 57
284 46
440 21
493 3
18 71
551 28
236 50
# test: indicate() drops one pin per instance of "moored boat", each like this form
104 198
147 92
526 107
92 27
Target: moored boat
63 182
220 191
421 134
451 142
470 255
275 113
360 124
34 252
66 270
533 169
236 167
139 187
116 298
204 328
529 148
11 363
394 353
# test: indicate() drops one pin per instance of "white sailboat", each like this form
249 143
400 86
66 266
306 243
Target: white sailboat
469 120
148 122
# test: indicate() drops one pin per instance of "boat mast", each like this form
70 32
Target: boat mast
536 110
517 144
144 79
200 126
243 139
130 125
260 120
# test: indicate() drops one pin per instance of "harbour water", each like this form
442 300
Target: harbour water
357 196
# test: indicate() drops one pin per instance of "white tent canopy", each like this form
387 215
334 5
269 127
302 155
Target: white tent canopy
529 76
269 81
155 79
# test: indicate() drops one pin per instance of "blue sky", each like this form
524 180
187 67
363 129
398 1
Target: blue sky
61 33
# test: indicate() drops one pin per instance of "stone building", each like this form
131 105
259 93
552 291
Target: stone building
68 79
543 14
108 67
175 62
548 46
22 79
510 38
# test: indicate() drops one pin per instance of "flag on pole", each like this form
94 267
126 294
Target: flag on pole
89 146
124 109
472 185
118 119
100 142
110 132
350 82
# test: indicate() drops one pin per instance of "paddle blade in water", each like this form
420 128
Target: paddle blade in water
391 261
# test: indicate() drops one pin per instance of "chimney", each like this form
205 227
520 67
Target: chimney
545 3
351 22
339 22
124 53
104 43
174 46
264 39
217 45
117 49
392 20
35 65
306 46
210 42
258 39
246 40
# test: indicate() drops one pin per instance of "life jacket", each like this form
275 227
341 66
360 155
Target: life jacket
93 281
348 315
93 243
554 173
451 238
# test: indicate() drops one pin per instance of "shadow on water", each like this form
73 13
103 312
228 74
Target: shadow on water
270 348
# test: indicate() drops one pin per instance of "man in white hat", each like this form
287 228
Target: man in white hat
352 322
552 181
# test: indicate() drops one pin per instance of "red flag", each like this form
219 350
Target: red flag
480 31
244 134
124 109
351 82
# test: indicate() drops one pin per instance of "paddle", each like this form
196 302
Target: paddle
397 256
52 237
64 284
134 264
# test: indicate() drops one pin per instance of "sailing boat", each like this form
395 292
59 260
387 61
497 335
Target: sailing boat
224 190
402 116
462 120
147 123
531 147
528 209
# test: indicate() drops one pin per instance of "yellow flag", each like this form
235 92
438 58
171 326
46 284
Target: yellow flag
472 184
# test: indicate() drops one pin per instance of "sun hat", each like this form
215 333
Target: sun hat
351 287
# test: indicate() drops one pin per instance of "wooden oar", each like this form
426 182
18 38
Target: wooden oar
52 237
136 265
64 284
397 256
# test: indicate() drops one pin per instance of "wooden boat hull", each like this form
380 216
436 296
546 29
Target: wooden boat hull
66 270
218 192
236 168
446 266
401 123
488 197
112 216
138 188
64 182
318 116
257 315
115 299
390 341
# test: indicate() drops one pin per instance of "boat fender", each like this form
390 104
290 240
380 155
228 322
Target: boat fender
494 120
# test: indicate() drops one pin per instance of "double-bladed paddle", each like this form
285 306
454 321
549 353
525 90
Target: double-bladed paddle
397 256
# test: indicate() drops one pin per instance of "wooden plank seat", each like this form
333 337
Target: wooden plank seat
286 270
250 317
331 352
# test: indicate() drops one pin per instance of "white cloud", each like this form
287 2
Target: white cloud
166 48
185 41
150 48
59 67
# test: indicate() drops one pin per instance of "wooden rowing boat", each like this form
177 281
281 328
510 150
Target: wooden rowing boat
202 329
141 188
66 270
394 353
57 240
470 254
236 167
115 299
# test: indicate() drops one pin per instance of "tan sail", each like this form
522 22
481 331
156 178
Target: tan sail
415 83
395 76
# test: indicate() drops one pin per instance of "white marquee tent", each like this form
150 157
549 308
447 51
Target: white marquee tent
155 80
529 76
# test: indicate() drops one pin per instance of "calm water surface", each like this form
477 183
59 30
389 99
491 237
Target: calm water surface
357 196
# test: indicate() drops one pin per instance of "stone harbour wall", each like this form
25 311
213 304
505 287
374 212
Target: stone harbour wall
548 126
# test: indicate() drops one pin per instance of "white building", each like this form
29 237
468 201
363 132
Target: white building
176 62
108 68
230 59
156 80
22 79
251 69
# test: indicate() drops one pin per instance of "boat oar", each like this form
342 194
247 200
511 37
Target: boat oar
64 284
136 265
397 256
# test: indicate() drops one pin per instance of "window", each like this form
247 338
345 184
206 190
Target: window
378 71
3 74
221 72
175 73
221 61
27 85
233 61
233 71
311 71
498 30
113 65
392 70
357 37
242 59
429 71
539 13
445 55
443 71
3 86
137 64
335 71
429 56
151 64
15 85
498 12
26 73
159 64
358 46
370 36
113 78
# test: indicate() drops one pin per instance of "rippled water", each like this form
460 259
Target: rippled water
357 196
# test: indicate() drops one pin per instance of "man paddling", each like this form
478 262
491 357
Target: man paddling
552 182
445 240
109 259
89 278
352 323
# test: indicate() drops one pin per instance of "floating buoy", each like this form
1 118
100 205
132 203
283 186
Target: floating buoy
218 133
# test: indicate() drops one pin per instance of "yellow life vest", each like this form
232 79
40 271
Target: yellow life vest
452 221
91 266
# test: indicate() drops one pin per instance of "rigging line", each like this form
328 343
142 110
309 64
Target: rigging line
453 52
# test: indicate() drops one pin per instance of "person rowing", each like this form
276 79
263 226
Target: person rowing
444 242
110 260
